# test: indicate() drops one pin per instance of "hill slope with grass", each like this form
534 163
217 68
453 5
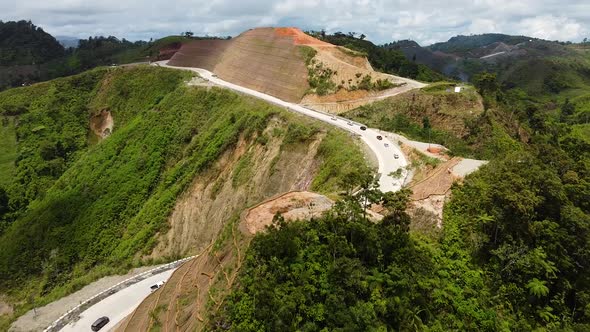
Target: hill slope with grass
81 207
437 114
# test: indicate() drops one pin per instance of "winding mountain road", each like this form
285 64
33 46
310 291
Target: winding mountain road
383 148
389 156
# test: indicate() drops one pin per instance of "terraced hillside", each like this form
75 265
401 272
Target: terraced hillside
293 66
260 59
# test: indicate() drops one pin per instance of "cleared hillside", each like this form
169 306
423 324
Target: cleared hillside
260 59
179 160
293 66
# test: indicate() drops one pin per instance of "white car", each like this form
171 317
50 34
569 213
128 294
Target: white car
157 285
386 145
396 156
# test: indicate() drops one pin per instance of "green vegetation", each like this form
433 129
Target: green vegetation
461 45
320 78
439 115
114 196
243 171
381 58
338 163
23 43
343 272
367 83
75 211
307 53
512 254
28 54
7 149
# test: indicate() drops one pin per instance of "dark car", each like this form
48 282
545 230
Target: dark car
100 323
363 128
379 137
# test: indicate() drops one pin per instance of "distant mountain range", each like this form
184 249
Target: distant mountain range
29 54
537 66
67 41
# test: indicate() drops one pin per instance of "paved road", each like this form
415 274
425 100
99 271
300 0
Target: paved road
385 154
118 305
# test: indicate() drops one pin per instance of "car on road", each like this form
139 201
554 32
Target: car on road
157 285
333 118
396 156
379 137
386 145
99 323
349 123
363 128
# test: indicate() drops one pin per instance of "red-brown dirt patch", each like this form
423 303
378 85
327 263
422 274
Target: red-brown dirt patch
292 206
299 37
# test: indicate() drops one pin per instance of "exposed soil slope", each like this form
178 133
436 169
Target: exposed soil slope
260 59
243 176
197 289
293 205
271 60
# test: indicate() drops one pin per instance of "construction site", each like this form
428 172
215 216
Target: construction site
273 61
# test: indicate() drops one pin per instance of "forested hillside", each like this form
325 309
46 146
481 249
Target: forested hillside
28 54
23 43
512 255
74 207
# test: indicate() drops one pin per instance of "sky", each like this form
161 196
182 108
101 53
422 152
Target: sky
426 21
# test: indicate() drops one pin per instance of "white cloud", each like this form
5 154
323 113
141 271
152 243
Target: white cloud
553 27
425 21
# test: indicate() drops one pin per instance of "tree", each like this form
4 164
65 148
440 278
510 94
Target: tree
188 34
486 84
426 123
362 36
537 288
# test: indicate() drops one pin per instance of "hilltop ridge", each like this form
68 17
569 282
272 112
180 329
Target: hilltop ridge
294 66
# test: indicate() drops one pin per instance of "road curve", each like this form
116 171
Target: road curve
383 149
122 303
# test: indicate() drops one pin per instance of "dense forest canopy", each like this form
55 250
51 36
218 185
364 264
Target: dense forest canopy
23 43
28 54
513 254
